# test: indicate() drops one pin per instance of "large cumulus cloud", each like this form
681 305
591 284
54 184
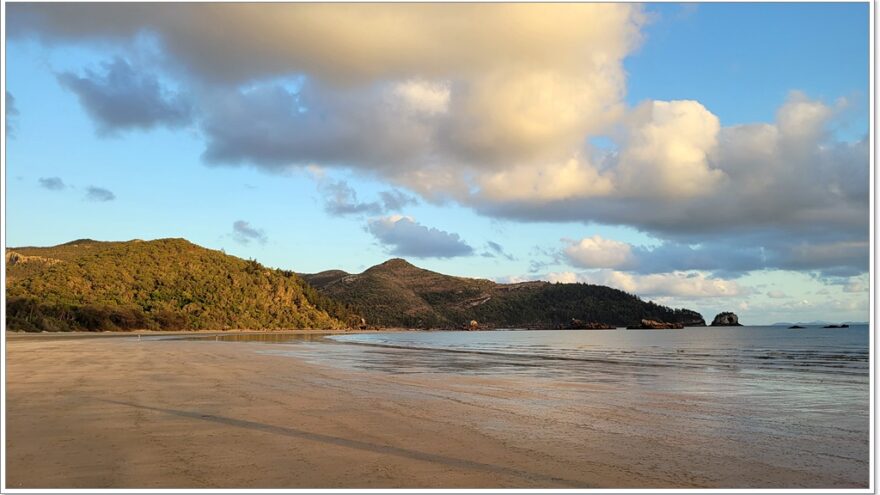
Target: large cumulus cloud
349 44
768 195
410 88
493 106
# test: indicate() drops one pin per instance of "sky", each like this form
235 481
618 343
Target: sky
708 156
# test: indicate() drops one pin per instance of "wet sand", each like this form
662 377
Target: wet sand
124 413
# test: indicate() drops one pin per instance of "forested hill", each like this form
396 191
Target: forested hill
396 293
160 284
174 284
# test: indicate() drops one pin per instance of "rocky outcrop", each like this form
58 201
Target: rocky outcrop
694 321
576 324
13 258
655 325
844 325
726 319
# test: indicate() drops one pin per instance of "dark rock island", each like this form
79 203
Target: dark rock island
726 319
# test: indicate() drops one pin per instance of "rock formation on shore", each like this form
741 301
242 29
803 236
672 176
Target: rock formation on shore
655 325
576 324
726 319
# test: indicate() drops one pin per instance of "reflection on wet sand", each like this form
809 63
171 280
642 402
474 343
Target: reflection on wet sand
309 414
273 338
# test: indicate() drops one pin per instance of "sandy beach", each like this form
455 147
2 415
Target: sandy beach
129 413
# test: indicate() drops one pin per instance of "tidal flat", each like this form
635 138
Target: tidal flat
158 412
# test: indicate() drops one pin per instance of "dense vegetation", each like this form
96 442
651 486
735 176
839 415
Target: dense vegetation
173 284
162 284
397 293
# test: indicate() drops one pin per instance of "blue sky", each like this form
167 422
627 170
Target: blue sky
767 51
648 190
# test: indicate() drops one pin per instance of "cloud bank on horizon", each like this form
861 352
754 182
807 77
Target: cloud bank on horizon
493 107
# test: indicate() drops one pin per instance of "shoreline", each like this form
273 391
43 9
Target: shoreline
157 413
14 335
21 335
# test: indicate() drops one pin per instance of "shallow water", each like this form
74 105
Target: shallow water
270 338
798 399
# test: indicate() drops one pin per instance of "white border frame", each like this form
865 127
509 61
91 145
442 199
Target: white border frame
872 292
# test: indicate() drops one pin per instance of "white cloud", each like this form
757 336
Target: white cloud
513 279
562 277
856 285
597 252
533 183
666 152
803 118
672 286
677 284
861 305
423 96
348 44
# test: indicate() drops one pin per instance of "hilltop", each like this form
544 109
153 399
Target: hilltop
160 284
397 293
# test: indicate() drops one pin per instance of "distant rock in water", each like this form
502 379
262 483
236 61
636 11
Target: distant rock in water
837 326
655 325
795 327
726 319
576 324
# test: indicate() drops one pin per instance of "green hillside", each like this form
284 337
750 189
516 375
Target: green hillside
161 284
397 293
174 284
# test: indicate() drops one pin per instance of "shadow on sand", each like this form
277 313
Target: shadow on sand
356 444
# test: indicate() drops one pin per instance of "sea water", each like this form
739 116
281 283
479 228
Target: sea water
796 398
